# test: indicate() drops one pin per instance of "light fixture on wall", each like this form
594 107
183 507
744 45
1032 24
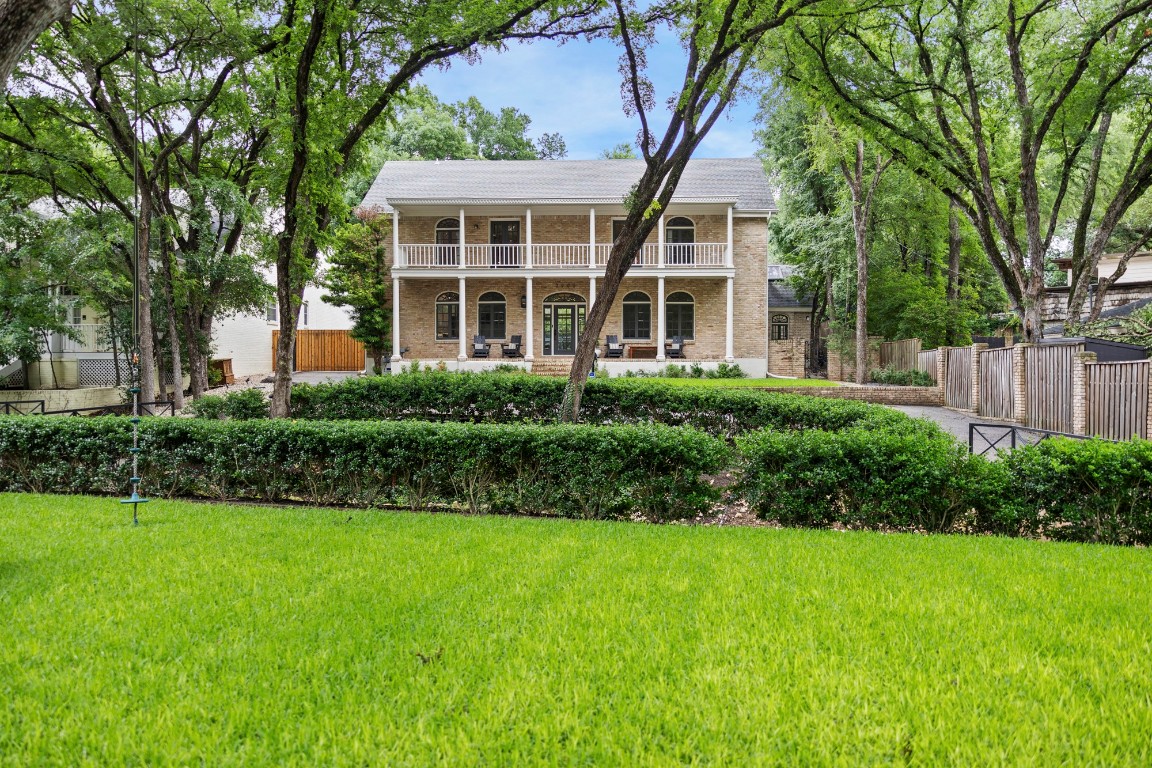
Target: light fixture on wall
523 302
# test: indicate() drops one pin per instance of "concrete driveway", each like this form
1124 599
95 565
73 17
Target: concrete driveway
956 424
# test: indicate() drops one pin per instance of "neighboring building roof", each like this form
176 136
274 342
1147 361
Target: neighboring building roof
740 181
780 295
1057 329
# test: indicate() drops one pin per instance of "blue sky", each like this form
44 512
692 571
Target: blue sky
574 90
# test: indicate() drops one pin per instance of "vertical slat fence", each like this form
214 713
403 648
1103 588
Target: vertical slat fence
997 384
958 388
926 362
900 355
1118 399
1048 381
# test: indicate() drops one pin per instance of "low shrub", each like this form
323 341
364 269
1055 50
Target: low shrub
725 371
1081 490
864 478
894 377
571 471
241 405
502 399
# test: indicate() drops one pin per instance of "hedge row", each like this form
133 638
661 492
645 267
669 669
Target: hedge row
1061 489
509 398
571 471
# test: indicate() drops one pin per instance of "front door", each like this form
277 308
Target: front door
564 316
505 239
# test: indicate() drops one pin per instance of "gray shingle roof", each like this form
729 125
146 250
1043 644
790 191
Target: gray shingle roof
739 180
780 295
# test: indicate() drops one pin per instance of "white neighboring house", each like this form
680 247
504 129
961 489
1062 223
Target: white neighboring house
247 339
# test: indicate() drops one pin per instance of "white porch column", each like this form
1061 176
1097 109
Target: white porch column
463 324
460 254
728 356
660 261
528 237
591 292
529 316
728 251
592 238
661 320
397 259
395 320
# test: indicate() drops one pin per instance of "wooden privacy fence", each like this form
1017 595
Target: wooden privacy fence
926 361
1048 383
997 384
324 351
1117 399
958 387
900 355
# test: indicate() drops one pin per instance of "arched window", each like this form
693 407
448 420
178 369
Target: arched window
779 327
679 237
491 323
637 316
448 242
448 316
680 315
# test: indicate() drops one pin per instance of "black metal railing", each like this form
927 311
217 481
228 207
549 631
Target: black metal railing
159 408
995 435
21 407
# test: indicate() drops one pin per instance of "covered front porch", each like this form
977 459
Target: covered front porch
530 318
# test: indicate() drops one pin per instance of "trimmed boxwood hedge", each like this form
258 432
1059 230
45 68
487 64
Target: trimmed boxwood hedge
1061 489
571 471
511 398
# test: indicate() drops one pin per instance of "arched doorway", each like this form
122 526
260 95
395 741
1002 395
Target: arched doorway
564 315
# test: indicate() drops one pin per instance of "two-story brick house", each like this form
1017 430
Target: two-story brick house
518 248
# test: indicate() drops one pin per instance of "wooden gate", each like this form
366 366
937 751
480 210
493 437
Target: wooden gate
1048 383
1118 399
997 384
324 351
958 387
926 361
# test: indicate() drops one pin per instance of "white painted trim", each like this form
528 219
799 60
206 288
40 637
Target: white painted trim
463 315
661 322
728 256
396 319
728 323
592 238
529 317
527 238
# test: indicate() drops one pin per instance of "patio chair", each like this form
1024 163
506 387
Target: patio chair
614 348
512 348
676 348
479 347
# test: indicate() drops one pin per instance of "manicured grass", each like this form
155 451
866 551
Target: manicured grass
744 383
239 636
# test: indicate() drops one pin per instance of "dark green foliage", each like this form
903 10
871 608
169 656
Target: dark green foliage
910 478
1083 490
497 398
897 378
245 404
569 471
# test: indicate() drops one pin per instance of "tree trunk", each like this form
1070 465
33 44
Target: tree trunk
21 22
143 303
952 284
173 334
859 227
289 297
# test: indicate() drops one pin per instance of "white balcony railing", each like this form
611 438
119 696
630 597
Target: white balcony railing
557 255
91 337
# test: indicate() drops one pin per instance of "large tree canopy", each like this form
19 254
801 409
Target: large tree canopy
1009 108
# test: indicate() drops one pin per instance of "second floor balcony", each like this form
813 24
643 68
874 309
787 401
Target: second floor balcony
559 256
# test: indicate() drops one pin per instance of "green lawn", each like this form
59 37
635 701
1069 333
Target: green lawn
239 636
744 383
